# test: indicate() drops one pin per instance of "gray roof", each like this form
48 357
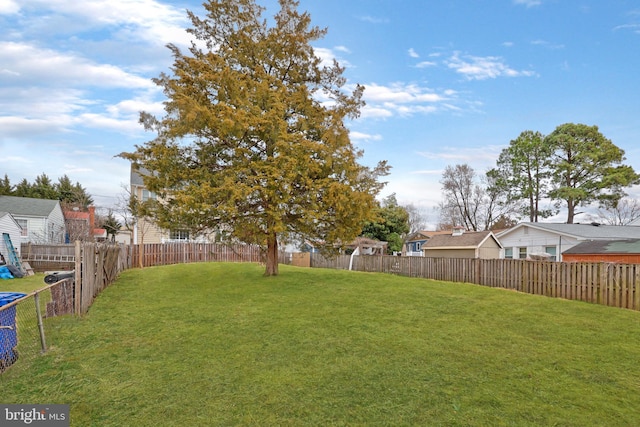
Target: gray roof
136 175
630 246
469 239
584 231
27 206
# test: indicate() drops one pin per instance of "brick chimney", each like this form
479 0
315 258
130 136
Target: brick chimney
92 218
457 231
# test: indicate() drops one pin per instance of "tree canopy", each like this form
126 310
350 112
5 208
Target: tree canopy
70 195
390 225
254 136
586 167
522 174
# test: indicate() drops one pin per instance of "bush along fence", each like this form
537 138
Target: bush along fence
611 284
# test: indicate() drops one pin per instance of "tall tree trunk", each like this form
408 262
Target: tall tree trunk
571 211
272 255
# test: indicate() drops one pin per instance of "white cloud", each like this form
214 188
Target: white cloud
476 156
413 53
9 7
32 65
148 20
528 3
327 56
373 20
426 64
633 27
404 99
482 68
547 44
364 137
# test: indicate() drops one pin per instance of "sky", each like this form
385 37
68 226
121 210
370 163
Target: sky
446 82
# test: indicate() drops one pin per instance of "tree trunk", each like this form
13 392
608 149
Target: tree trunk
571 209
272 255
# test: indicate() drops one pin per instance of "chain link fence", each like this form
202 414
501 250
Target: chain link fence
25 320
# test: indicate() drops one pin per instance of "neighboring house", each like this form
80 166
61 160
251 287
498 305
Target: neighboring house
82 226
367 246
145 230
622 251
413 244
41 220
530 239
8 225
463 244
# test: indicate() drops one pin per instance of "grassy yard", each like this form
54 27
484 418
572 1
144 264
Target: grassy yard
219 344
25 284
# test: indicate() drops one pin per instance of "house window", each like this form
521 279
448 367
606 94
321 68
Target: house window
179 235
522 253
148 195
24 224
508 253
551 250
418 247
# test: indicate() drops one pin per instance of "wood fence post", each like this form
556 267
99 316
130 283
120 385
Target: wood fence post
78 279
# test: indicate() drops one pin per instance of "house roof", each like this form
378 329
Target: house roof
136 175
627 246
467 240
85 216
27 206
425 234
367 242
582 231
3 214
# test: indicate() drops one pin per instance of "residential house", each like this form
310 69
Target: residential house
367 246
82 226
531 239
41 220
622 251
145 230
10 227
413 244
463 244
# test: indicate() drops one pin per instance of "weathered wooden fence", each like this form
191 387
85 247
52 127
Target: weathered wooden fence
155 254
48 257
616 285
97 265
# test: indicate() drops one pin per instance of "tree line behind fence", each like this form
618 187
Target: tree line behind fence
612 284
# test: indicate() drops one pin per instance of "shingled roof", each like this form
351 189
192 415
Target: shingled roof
27 206
626 246
468 239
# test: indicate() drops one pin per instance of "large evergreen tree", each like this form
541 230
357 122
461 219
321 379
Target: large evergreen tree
522 173
254 133
587 167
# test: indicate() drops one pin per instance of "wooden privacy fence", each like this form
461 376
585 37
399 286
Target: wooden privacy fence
615 285
97 265
48 257
176 253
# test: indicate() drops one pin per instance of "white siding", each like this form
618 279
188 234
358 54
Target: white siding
9 226
536 241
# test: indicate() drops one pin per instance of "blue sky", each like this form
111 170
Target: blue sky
447 82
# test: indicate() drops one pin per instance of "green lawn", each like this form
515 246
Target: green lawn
25 284
219 344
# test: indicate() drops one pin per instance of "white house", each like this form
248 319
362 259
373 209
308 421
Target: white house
10 227
529 239
41 220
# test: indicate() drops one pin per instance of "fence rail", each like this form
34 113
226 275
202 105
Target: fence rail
611 284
